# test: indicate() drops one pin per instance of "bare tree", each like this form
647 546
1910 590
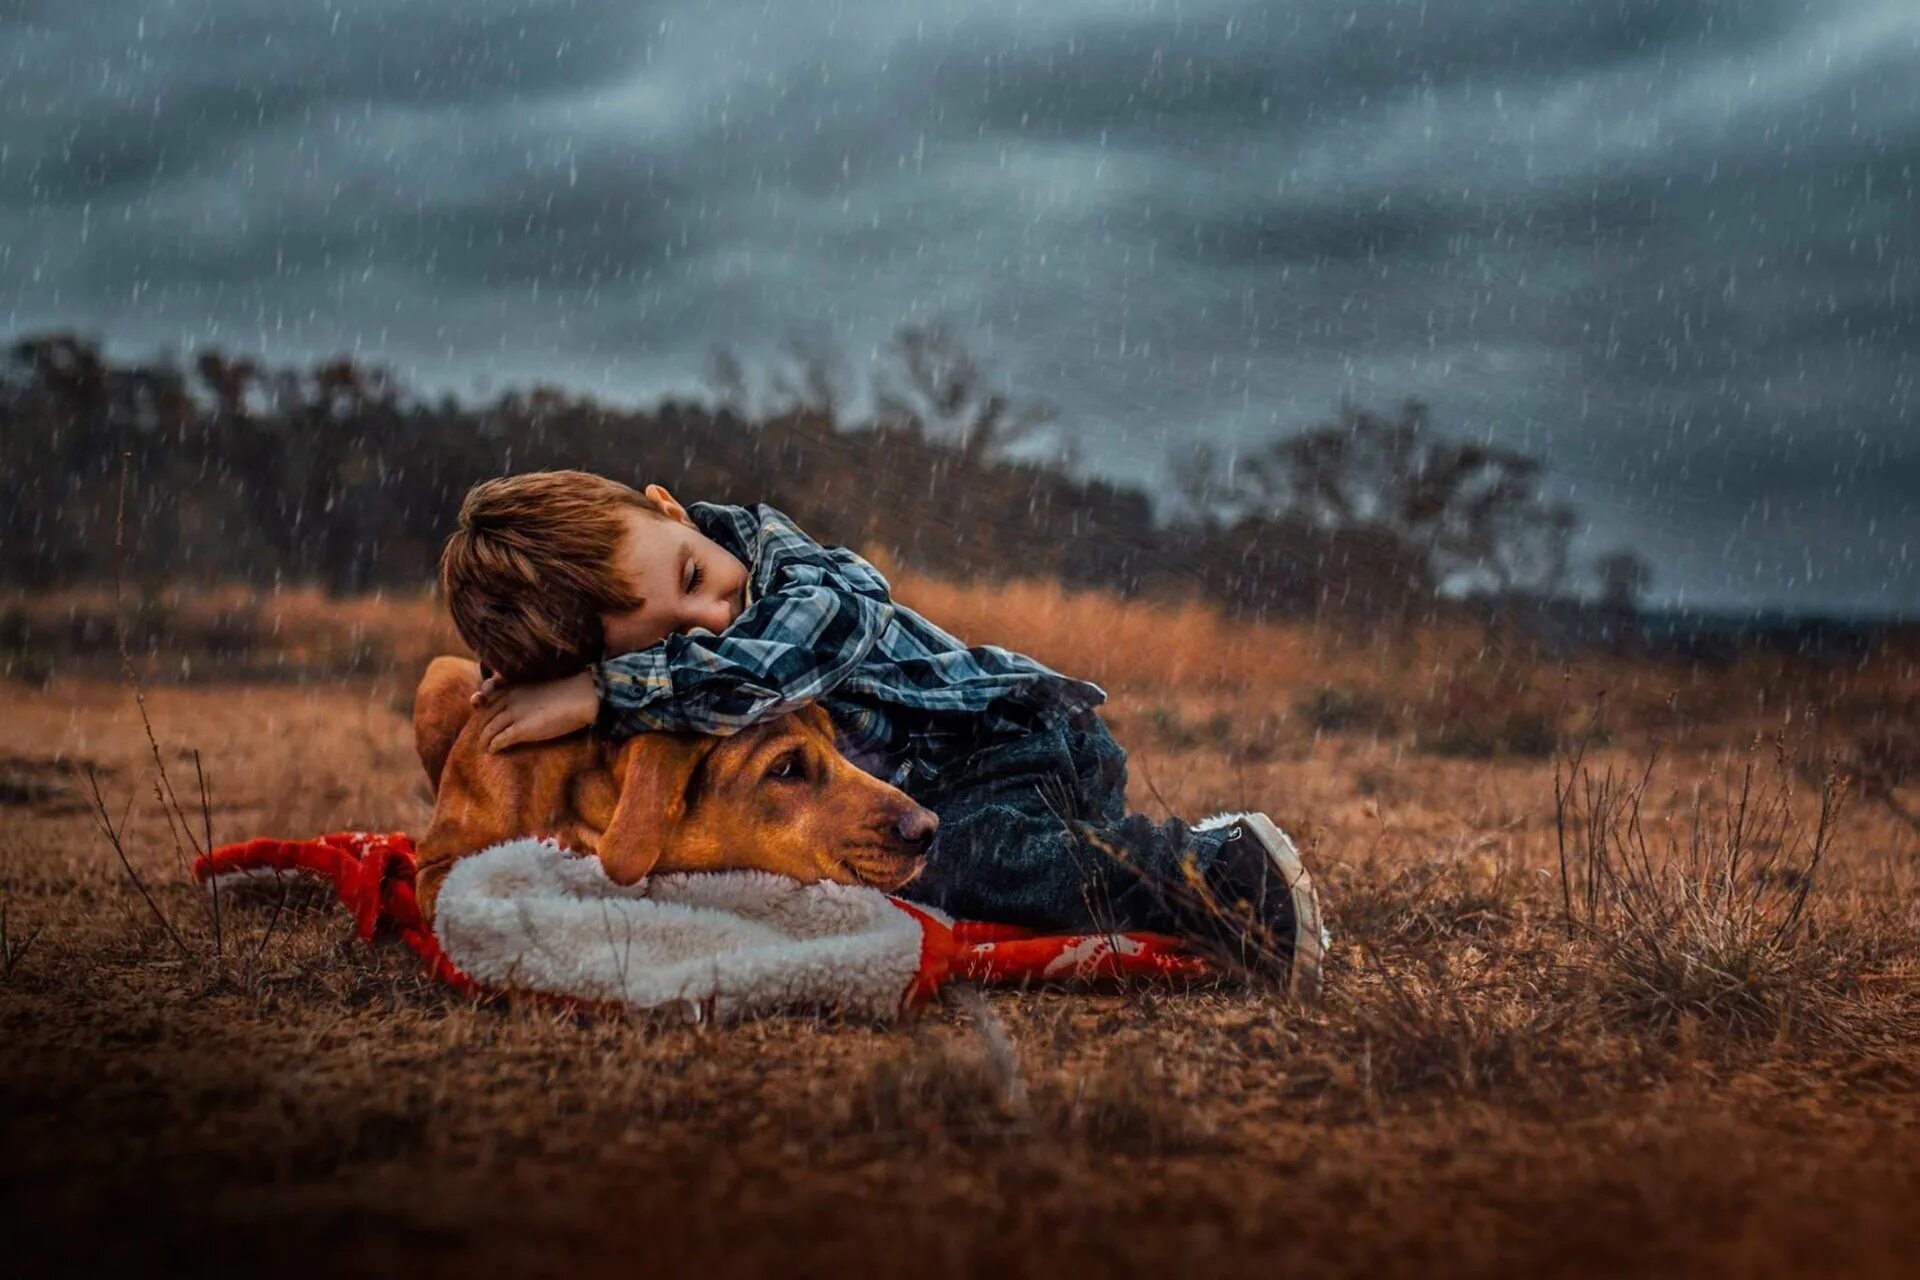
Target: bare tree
68 366
728 378
939 385
343 386
815 386
229 380
1471 510
1624 576
1194 472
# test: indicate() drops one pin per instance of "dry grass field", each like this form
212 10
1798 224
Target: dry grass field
1644 1027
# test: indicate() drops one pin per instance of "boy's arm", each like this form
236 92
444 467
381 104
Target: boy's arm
817 612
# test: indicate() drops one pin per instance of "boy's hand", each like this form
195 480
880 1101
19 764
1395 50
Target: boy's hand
535 712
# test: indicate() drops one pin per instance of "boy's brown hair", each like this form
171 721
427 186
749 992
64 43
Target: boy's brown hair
529 569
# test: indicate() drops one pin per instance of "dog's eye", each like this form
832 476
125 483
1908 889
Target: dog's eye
787 766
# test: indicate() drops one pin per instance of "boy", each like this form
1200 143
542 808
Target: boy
593 605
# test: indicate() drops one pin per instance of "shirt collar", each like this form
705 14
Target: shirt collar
716 520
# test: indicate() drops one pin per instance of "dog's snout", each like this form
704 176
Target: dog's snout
917 825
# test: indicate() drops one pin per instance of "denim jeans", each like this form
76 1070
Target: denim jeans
1034 831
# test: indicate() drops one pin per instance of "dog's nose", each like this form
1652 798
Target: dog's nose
917 825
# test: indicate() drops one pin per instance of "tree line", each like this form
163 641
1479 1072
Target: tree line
338 474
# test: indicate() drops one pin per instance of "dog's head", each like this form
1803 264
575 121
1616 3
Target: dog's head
776 796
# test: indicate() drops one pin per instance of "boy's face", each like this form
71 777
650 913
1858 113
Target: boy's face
688 579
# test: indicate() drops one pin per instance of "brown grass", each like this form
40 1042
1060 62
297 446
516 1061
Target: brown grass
1693 1050
1710 916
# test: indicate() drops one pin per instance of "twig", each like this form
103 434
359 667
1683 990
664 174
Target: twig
105 820
1146 775
213 882
163 788
286 888
11 952
1560 796
119 615
1095 891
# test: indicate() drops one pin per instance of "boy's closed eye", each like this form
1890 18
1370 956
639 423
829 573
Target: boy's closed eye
685 581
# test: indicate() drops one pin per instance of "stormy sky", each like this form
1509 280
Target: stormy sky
1673 246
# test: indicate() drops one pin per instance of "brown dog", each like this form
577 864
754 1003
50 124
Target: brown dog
774 796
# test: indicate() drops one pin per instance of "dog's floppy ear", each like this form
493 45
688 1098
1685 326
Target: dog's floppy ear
441 710
657 771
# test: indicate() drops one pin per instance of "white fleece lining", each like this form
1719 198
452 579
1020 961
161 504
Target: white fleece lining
527 915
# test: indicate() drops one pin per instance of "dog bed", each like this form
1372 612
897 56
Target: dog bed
528 916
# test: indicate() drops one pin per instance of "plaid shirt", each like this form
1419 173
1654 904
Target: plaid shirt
820 624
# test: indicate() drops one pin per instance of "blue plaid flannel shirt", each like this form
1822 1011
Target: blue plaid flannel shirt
820 624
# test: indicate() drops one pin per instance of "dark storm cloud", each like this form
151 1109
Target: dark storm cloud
563 236
1291 64
113 96
1669 244
1732 323
230 165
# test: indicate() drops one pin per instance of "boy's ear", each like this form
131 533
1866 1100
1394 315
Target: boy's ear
658 492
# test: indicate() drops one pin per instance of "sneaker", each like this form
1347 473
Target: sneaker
1265 910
